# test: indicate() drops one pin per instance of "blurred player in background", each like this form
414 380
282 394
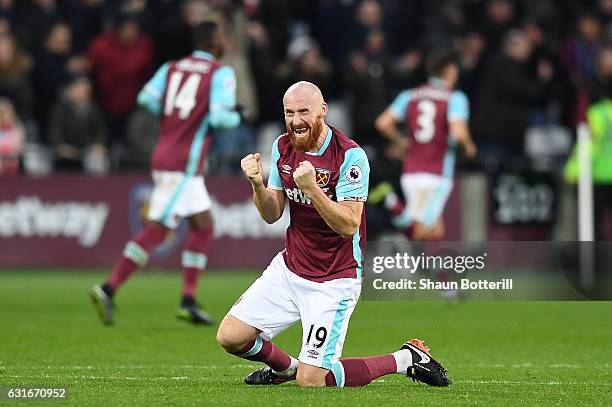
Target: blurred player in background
436 117
317 277
190 96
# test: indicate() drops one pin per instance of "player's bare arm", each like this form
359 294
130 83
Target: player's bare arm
460 131
269 202
386 124
343 218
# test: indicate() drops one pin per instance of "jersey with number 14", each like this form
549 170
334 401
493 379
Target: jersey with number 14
312 249
183 94
426 110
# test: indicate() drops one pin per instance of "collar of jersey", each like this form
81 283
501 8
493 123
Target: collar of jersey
436 81
203 55
325 143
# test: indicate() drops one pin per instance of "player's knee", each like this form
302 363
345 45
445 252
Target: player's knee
307 378
229 340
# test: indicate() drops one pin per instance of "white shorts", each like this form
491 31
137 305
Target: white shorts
280 298
425 195
175 196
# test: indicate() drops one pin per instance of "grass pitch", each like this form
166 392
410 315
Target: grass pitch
497 353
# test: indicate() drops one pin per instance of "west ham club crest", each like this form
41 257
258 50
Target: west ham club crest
323 176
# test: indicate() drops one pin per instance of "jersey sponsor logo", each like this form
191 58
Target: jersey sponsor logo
323 176
297 195
354 174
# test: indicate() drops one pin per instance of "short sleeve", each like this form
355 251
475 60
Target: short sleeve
399 105
150 96
458 106
274 179
223 99
353 180
223 89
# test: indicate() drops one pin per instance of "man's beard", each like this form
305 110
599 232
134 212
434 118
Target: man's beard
309 143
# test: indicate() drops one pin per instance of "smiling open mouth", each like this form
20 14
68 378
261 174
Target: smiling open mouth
301 130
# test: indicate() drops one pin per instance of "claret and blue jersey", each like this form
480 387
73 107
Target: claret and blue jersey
426 111
312 249
189 96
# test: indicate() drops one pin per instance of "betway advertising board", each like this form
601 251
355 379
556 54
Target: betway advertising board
78 221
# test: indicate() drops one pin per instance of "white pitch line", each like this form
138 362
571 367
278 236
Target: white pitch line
522 382
139 367
202 379
253 365
160 378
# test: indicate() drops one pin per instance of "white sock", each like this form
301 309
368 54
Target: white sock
290 371
403 360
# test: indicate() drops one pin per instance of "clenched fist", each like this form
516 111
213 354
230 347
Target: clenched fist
251 166
304 176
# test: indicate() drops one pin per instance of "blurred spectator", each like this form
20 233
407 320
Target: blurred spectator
15 69
578 55
77 129
175 24
447 21
369 17
231 145
368 84
305 63
52 68
7 10
85 18
142 131
601 85
36 18
233 24
5 26
499 18
579 51
263 58
12 139
470 54
331 26
275 16
121 61
506 98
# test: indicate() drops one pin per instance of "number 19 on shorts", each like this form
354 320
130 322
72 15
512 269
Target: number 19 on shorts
320 334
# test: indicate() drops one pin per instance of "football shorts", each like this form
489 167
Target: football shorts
426 196
279 298
176 196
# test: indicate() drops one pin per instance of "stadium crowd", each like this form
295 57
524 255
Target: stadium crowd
70 71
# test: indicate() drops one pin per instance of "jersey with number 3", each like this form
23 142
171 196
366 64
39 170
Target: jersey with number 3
426 110
184 91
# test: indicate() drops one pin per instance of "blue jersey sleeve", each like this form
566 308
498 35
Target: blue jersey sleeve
274 179
353 180
399 105
150 96
458 106
223 99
